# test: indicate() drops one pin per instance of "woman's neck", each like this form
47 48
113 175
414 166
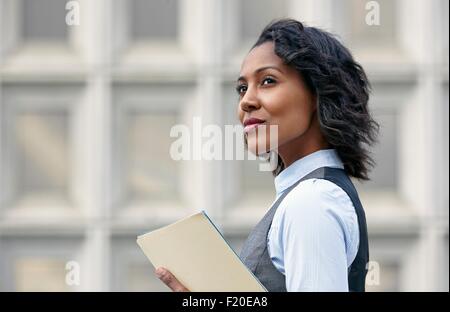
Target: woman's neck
305 144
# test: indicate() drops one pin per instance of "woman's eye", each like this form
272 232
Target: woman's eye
270 80
240 89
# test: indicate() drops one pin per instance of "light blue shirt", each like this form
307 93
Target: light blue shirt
314 236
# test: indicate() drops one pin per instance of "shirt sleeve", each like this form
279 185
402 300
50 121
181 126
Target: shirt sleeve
314 237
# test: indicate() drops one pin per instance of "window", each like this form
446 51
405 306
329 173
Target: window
255 180
255 14
42 153
146 177
375 36
388 278
243 22
30 272
44 20
40 128
154 20
38 263
131 270
384 176
151 173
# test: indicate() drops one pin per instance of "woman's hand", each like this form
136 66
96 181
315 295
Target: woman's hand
170 280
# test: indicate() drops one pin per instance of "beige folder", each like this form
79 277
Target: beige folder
199 257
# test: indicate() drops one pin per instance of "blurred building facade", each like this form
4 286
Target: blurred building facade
86 111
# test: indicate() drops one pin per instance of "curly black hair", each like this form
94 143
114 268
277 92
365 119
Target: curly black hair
340 85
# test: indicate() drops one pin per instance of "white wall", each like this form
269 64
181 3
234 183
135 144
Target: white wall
85 115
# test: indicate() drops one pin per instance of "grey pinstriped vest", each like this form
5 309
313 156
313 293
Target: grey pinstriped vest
256 257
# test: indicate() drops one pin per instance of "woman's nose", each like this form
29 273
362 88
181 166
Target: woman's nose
249 102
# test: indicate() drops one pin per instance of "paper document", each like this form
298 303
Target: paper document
198 256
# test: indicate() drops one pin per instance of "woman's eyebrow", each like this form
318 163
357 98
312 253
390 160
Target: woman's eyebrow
261 69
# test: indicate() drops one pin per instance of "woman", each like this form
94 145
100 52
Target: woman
314 236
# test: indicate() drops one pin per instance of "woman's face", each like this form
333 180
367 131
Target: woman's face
274 93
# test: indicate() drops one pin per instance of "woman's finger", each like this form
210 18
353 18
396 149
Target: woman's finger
170 280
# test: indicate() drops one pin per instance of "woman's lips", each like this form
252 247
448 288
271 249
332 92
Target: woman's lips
252 126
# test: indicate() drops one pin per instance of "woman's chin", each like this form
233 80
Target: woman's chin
257 149
260 145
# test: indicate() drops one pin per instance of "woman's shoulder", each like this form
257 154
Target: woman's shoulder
316 197
317 189
316 208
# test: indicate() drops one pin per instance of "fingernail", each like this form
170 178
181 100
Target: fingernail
158 272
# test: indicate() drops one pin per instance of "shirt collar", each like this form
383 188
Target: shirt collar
301 167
